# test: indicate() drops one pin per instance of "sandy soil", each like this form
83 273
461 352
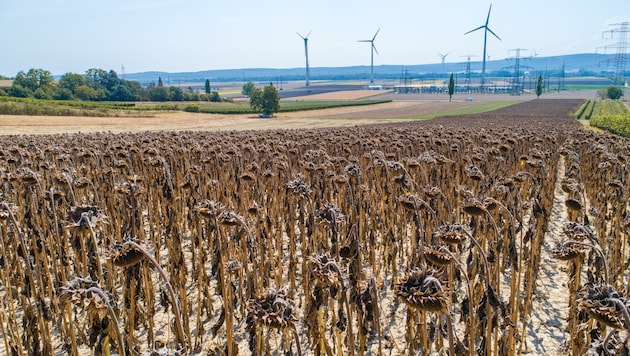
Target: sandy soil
183 121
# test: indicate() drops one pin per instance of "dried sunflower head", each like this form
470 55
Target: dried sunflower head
229 218
83 292
421 289
411 202
573 204
473 172
438 256
271 308
126 253
298 187
577 231
433 192
129 189
248 177
604 304
474 207
329 214
208 208
568 250
85 217
326 270
452 234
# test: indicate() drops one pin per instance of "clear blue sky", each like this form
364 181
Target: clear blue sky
192 35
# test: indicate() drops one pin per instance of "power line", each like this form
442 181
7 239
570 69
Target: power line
517 70
621 32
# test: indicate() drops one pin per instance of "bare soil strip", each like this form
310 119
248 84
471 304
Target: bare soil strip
546 332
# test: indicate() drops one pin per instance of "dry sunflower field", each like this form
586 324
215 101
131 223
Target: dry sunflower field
434 237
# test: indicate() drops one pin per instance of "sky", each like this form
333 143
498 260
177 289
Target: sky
71 36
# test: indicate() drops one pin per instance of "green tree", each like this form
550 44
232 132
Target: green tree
159 93
121 93
539 87
614 92
208 89
215 97
451 87
255 99
85 92
248 89
71 81
19 91
265 101
62 94
176 94
160 83
34 79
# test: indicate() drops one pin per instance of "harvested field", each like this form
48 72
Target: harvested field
499 233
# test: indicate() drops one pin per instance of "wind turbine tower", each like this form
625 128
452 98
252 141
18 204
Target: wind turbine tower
443 58
308 70
372 55
485 41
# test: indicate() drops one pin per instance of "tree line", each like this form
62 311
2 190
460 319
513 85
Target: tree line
99 85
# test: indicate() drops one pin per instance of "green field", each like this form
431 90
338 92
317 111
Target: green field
609 115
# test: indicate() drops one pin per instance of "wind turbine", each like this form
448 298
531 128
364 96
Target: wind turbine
485 40
443 56
372 56
308 71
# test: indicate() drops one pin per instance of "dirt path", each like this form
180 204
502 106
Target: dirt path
546 332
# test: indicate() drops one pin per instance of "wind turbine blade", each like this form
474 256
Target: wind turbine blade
478 28
309 33
302 37
488 18
377 31
495 35
374 48
364 41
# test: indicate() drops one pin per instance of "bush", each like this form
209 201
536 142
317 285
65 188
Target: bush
614 93
192 108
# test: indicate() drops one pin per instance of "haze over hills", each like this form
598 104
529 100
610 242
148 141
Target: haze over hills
588 63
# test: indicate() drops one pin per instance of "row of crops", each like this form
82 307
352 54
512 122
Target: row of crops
415 238
609 115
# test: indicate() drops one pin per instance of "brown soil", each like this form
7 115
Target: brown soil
403 106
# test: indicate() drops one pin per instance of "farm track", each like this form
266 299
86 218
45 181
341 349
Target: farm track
332 218
546 332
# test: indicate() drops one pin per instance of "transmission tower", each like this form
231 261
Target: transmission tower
621 32
517 87
467 80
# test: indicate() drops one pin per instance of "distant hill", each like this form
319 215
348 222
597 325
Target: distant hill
575 63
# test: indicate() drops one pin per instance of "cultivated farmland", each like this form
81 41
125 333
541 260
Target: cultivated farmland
496 233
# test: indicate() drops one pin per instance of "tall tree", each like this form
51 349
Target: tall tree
255 99
539 87
265 101
451 87
34 79
208 89
248 89
71 81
